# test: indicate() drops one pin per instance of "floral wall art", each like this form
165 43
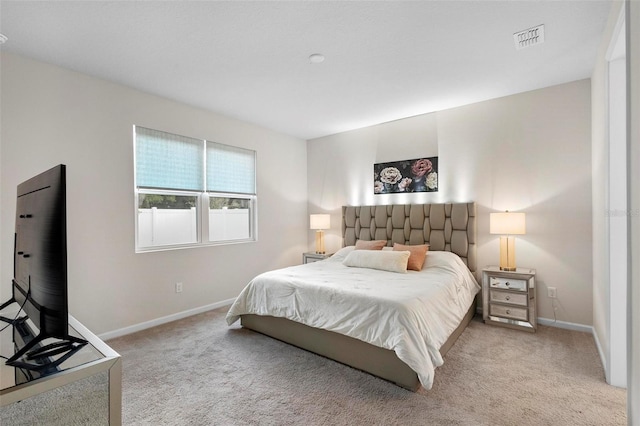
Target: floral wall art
419 175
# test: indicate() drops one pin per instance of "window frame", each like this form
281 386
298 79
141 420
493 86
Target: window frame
147 191
253 216
202 205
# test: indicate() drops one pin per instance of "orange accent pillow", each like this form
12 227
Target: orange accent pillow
417 257
370 245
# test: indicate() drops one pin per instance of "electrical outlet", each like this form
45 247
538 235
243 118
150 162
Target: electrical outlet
178 287
552 292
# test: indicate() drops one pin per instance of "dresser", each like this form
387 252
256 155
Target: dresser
509 298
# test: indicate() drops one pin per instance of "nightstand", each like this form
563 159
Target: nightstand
314 257
509 298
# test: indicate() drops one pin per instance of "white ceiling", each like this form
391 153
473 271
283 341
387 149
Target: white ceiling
385 60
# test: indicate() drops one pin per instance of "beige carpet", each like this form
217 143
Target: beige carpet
197 371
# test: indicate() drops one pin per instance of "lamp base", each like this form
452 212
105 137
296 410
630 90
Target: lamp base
507 253
507 268
320 242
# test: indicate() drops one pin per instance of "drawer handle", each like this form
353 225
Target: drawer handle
508 311
507 284
508 298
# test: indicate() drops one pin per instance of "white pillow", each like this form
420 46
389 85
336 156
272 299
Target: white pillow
341 254
392 261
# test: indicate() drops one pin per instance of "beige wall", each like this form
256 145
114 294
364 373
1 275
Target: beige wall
52 115
529 152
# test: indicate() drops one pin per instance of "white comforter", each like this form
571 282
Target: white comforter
412 314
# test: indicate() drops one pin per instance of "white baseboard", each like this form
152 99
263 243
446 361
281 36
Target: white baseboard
566 325
163 320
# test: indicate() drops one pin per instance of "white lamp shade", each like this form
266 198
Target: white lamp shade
507 223
319 221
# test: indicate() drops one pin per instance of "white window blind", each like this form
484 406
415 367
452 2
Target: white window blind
230 169
168 161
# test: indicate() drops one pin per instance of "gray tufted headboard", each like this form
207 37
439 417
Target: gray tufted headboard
445 227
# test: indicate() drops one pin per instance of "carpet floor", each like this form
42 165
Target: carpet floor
198 371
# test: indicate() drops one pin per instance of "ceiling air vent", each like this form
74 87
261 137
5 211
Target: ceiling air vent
530 37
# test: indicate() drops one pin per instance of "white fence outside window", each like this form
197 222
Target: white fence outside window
179 226
229 224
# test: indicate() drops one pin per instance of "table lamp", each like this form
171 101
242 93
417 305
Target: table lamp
320 222
507 224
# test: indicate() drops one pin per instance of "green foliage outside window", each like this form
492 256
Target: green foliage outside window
174 202
217 203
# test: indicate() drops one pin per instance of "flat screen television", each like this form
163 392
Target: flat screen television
39 284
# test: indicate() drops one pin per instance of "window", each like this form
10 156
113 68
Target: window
191 192
229 218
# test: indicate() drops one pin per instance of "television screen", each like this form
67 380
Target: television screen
40 253
40 269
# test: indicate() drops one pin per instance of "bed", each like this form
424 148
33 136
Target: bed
397 326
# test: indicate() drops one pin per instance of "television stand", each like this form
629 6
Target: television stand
56 348
41 357
10 320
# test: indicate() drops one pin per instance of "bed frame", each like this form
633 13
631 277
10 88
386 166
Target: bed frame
445 227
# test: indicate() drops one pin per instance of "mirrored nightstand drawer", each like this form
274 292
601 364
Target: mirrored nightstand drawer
508 312
508 283
508 297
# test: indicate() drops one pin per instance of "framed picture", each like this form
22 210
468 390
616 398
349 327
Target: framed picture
419 175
